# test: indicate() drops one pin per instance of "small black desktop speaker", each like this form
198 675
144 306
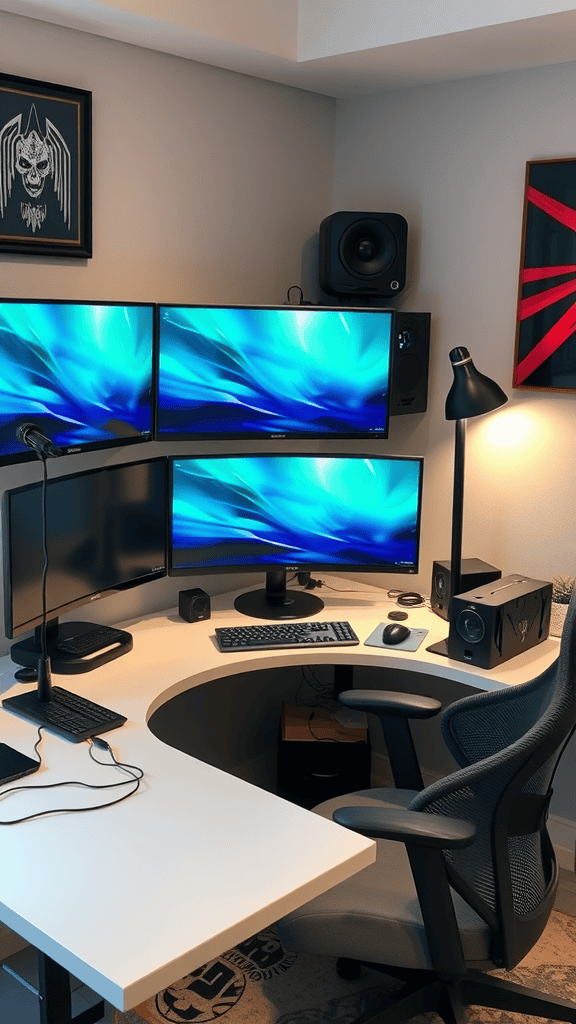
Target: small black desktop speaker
410 359
362 253
475 573
193 605
493 623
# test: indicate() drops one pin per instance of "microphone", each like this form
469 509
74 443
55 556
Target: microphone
31 435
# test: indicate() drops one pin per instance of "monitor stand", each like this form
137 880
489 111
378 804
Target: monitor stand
276 602
26 652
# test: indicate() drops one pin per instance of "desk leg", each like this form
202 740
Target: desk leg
55 996
343 678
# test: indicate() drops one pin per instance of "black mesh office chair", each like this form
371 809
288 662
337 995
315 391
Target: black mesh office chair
465 876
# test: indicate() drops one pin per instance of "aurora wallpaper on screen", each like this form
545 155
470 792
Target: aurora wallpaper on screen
297 371
81 371
294 510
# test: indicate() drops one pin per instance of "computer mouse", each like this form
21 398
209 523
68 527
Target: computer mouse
395 633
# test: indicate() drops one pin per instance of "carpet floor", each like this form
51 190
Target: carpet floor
259 982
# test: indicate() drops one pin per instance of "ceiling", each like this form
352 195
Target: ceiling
335 48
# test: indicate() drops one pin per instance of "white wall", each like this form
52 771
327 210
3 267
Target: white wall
451 158
208 187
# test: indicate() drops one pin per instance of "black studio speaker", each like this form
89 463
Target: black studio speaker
475 573
491 624
193 605
410 360
363 253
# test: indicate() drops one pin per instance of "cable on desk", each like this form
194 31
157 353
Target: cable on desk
408 598
97 741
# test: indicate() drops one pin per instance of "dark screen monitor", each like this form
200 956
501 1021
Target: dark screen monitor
271 371
106 533
289 513
80 371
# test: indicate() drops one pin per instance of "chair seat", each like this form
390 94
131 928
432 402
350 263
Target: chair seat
350 920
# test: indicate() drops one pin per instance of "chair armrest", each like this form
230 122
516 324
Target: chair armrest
387 702
417 828
394 711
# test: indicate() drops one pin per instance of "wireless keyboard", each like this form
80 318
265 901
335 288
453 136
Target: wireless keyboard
73 717
285 634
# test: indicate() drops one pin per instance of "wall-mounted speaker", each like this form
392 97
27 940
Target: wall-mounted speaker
363 253
410 360
193 605
475 573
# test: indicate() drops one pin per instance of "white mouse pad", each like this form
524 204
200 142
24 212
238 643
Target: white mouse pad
411 643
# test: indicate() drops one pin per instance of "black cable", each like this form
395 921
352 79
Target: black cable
407 598
319 739
325 691
102 744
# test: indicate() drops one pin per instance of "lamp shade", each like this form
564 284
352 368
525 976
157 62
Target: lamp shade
471 394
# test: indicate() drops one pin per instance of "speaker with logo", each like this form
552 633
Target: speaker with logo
475 573
363 253
410 358
493 623
193 605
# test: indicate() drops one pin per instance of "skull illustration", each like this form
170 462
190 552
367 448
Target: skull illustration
33 162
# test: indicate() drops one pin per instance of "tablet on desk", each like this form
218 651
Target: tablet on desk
14 765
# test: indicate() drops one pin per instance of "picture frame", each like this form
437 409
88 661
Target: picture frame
545 350
45 168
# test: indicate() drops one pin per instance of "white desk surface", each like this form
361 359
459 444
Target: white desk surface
133 897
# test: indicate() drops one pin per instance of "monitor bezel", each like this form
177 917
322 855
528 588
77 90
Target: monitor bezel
13 458
293 567
13 631
263 435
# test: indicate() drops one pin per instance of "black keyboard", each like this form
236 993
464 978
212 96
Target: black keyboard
97 639
73 717
285 634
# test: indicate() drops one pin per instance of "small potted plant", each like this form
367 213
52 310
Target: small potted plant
562 586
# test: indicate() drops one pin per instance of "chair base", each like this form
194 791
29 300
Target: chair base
423 991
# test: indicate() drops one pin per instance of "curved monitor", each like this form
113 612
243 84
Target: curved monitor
80 371
290 513
271 371
105 533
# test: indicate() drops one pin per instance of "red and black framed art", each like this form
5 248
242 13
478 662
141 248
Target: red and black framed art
545 354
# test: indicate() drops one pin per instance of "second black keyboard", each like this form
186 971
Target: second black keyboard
73 717
279 635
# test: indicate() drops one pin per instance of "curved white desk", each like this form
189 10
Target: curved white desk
132 897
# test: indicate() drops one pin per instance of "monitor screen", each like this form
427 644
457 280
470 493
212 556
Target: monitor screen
263 371
80 371
292 513
106 532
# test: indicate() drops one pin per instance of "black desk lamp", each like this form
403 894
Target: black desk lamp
471 394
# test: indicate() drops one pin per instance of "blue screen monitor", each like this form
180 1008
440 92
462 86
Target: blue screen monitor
80 371
293 513
269 372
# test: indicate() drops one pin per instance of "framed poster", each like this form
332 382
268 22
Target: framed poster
545 354
45 168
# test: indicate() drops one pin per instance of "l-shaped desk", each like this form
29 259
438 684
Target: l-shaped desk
132 897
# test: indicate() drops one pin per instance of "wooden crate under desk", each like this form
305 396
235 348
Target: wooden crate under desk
300 722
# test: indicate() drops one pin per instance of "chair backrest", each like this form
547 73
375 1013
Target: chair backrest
508 743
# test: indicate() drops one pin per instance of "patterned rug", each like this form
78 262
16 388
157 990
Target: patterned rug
259 982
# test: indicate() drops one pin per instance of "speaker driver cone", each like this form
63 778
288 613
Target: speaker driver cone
368 248
470 626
